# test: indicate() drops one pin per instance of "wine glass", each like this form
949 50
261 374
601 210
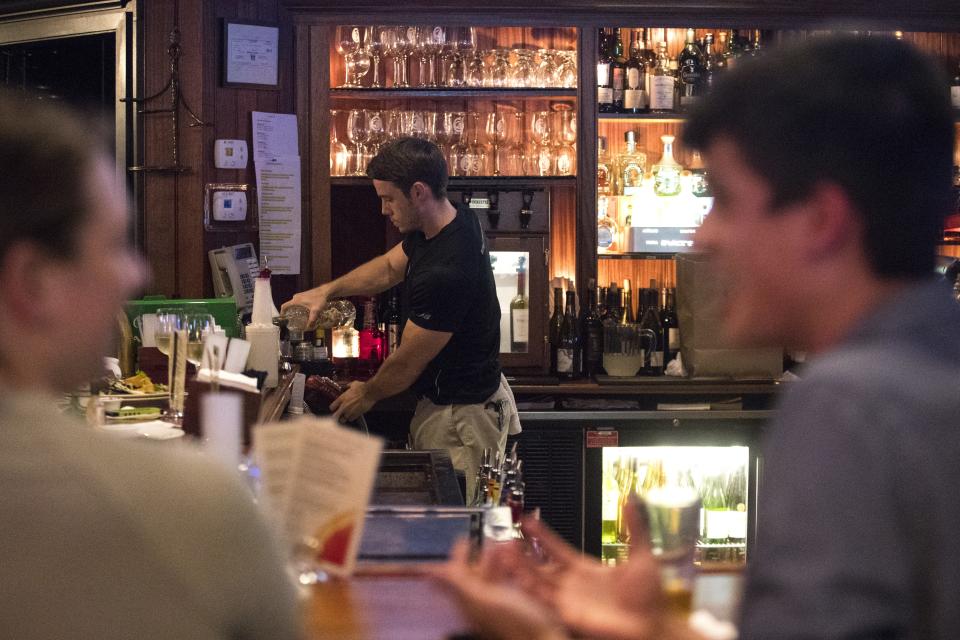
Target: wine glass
496 129
566 136
348 43
339 155
522 74
430 40
516 153
398 47
375 47
546 69
476 150
476 69
499 70
357 134
541 130
455 124
198 326
567 70
376 133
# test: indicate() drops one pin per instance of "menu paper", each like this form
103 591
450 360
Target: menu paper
317 479
276 160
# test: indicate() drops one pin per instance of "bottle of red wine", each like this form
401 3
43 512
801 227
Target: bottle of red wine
671 326
591 332
568 349
556 323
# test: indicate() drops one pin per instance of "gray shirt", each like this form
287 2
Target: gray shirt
859 532
109 539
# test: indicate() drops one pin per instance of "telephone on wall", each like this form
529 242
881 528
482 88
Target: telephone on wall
234 271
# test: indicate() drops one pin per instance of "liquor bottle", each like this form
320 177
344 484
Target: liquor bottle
738 44
392 321
653 356
756 49
634 89
611 315
626 316
604 178
630 166
568 351
715 528
722 51
618 63
371 339
649 58
710 64
666 173
699 185
955 87
592 336
556 323
690 66
607 231
604 79
670 325
662 83
520 313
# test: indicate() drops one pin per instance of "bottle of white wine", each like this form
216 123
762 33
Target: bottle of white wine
520 312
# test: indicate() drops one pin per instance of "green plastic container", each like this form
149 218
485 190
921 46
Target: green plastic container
223 310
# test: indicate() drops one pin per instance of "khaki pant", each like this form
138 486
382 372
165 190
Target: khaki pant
465 430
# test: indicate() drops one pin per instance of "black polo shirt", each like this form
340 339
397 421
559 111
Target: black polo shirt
449 287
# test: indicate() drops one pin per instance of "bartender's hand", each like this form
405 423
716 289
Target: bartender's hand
352 403
313 299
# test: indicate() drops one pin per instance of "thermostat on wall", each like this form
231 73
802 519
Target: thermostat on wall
230 154
229 206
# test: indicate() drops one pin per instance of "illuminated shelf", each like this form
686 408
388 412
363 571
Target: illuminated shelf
472 92
643 117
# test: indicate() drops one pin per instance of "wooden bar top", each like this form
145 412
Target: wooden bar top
414 607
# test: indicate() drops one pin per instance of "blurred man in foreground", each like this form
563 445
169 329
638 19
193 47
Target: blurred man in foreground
101 538
830 163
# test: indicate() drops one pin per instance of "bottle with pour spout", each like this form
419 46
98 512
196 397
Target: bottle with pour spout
262 334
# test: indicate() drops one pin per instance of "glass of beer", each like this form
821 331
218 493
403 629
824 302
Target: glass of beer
674 519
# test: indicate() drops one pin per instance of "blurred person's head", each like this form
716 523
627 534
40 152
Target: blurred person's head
830 163
410 176
66 264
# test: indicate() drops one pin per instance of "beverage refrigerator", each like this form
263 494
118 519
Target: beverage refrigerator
714 451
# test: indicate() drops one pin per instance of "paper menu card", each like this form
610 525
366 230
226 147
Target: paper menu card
316 479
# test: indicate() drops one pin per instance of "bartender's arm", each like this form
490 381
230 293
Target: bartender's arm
398 372
372 277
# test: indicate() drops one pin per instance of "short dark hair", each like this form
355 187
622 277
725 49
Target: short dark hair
46 163
407 160
870 114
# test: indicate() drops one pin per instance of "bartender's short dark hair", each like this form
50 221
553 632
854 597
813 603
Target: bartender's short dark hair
46 163
407 160
870 114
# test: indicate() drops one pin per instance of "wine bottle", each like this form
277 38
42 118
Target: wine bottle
592 337
618 64
670 325
626 316
653 333
520 313
556 323
371 339
568 351
955 88
392 321
604 79
634 89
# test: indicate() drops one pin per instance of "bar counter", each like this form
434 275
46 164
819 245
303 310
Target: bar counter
410 606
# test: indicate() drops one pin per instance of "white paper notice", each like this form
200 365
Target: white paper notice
278 198
274 135
252 55
319 476
277 162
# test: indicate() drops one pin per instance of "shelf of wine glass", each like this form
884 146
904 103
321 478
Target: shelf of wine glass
443 92
645 117
505 182
636 255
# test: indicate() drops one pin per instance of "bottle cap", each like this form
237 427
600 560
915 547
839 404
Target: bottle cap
630 137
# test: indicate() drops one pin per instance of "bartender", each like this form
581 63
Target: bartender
450 316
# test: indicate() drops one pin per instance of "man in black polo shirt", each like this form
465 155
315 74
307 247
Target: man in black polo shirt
450 330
